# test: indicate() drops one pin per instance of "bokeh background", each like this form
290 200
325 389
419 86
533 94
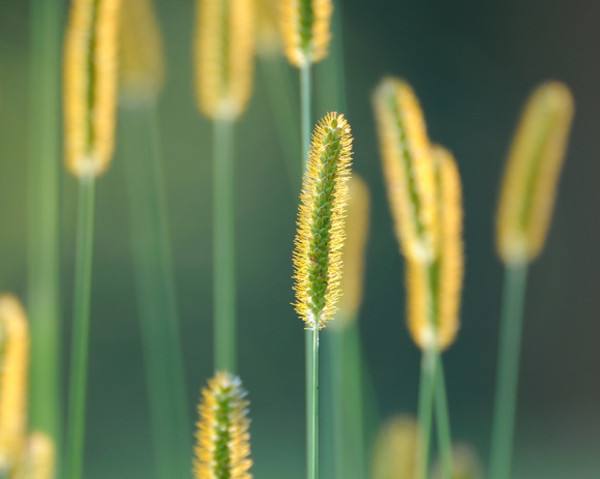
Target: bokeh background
473 64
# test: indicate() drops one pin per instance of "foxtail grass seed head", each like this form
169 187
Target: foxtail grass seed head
407 166
465 464
14 362
90 82
39 458
321 221
357 226
444 277
268 35
223 437
394 455
141 61
224 57
306 28
532 172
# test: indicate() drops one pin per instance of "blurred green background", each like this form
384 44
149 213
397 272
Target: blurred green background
472 64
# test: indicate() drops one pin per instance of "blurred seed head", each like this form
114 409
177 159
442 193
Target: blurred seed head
39 458
465 462
395 452
268 34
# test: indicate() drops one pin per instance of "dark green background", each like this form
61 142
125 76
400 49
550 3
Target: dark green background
472 63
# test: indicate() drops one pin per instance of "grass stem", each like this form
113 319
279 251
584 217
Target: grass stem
507 378
305 109
312 403
429 362
443 421
81 330
224 247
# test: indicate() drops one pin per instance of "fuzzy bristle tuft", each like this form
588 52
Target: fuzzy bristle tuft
223 437
321 222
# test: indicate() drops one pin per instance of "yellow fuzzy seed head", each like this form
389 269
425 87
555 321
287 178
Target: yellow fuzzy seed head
357 226
268 36
223 438
407 167
90 82
306 28
321 222
465 463
532 173
14 362
434 290
395 451
224 57
141 64
39 459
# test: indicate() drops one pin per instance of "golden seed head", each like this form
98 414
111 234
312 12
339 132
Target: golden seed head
14 362
532 172
306 27
223 437
321 221
141 64
39 458
465 464
434 290
357 226
224 57
395 449
408 167
90 81
268 36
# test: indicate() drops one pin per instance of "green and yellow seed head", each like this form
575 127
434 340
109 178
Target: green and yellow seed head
223 437
39 459
395 449
224 57
321 222
306 27
141 63
14 363
408 168
90 83
532 172
357 227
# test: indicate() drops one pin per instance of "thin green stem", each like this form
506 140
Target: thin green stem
44 198
81 330
305 109
224 247
507 378
156 292
443 421
312 403
429 363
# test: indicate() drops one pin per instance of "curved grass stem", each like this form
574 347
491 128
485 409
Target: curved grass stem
507 378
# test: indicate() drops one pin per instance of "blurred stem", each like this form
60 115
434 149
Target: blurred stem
81 329
429 363
312 403
280 97
507 378
443 421
43 188
305 100
224 247
155 287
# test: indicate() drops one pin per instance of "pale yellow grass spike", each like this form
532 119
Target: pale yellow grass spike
268 35
306 29
90 83
225 47
14 363
39 459
532 173
395 452
466 464
141 61
408 168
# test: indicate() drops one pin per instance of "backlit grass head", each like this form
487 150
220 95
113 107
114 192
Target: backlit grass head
408 167
224 57
437 286
141 63
321 221
90 82
357 226
39 458
306 27
14 362
532 172
223 437
395 452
